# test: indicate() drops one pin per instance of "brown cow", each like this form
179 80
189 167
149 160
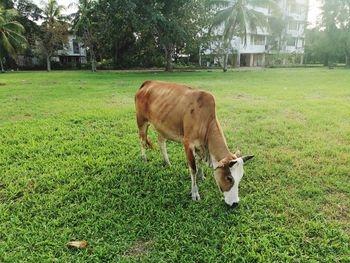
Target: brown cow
185 115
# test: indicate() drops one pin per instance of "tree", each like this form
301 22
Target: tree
28 15
278 30
132 33
54 30
11 35
174 25
237 18
6 4
343 23
336 26
117 30
85 25
199 14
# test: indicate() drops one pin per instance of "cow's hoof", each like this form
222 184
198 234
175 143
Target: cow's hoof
144 158
200 173
196 196
201 176
167 165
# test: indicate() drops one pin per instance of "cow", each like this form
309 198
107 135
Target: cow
182 114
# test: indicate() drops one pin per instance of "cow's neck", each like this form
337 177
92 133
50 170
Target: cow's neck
217 146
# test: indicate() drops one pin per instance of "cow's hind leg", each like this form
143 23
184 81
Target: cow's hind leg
162 146
192 167
143 128
200 171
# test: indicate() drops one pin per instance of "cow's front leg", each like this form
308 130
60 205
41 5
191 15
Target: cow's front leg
192 167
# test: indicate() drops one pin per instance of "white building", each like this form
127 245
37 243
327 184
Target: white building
260 43
73 54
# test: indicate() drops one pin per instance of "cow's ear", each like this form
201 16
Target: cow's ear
223 163
238 153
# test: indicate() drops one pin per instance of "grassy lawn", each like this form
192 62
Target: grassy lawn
70 169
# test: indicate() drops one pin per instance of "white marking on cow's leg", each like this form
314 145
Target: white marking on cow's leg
143 150
162 145
143 140
199 169
194 190
210 162
192 167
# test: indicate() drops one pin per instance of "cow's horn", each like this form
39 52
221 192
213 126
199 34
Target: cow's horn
247 158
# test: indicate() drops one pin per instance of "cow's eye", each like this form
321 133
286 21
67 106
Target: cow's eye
230 179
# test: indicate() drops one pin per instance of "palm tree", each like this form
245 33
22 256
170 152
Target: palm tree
11 35
55 29
84 26
52 12
238 17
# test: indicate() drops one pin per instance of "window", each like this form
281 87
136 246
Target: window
293 25
301 42
296 8
75 47
302 10
291 41
257 39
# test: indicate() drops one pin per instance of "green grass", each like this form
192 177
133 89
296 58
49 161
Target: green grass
70 169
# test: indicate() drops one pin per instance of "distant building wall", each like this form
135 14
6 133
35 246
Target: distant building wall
73 54
252 53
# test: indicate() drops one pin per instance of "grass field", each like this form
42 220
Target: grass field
70 169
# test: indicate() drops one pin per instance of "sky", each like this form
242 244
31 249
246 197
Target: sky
313 9
60 2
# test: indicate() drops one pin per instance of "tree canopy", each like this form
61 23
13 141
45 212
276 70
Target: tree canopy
11 35
147 33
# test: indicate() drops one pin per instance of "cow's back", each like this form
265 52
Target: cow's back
175 110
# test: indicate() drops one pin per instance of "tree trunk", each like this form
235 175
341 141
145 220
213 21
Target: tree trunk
200 57
93 65
48 63
238 60
326 60
225 62
2 66
115 57
93 61
347 60
168 57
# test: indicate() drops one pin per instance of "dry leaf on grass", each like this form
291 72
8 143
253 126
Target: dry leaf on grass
78 244
139 248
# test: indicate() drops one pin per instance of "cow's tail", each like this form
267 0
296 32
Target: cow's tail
142 122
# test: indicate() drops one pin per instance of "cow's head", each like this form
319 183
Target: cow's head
228 173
